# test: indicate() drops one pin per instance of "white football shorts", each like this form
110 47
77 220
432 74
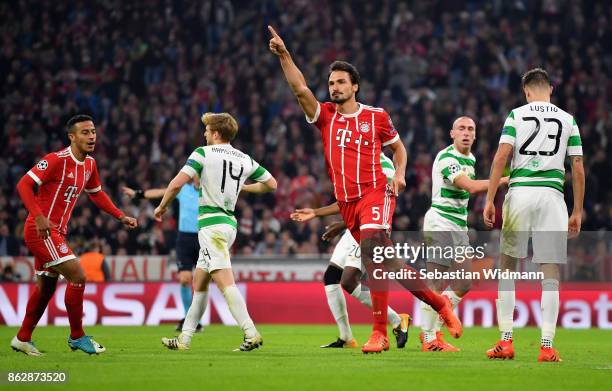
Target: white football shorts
215 242
539 213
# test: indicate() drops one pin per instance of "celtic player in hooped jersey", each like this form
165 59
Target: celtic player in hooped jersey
538 136
223 171
445 223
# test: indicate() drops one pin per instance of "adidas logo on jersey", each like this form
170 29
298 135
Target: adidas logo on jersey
341 119
70 175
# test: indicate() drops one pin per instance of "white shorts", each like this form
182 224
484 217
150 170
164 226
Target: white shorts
539 213
215 242
347 252
441 232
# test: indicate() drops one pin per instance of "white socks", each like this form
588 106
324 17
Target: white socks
428 322
337 305
505 308
549 305
454 299
196 310
237 307
365 298
550 310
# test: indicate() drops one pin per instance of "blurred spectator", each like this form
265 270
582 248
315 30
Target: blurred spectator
147 70
8 243
585 269
8 273
93 263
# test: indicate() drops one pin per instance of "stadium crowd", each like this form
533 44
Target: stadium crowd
147 70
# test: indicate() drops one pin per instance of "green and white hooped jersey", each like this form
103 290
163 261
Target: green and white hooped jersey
387 167
448 200
542 135
222 170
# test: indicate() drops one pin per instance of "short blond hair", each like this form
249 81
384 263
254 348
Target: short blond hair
223 123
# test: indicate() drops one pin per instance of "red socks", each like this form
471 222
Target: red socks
419 288
38 303
380 303
34 310
74 307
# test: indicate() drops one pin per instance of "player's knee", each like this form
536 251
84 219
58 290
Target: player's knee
371 242
78 277
350 279
185 278
332 275
348 285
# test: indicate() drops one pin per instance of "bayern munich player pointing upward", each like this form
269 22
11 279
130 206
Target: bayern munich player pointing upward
61 177
353 135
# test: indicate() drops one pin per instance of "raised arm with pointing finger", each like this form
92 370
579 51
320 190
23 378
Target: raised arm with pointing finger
294 76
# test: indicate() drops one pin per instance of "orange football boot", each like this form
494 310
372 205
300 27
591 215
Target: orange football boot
452 323
503 350
437 345
447 347
549 355
376 344
351 344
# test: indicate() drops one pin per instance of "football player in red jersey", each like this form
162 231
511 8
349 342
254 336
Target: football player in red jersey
61 177
353 135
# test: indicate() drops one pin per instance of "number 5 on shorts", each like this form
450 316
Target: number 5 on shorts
376 213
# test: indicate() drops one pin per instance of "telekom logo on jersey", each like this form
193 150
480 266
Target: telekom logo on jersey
343 136
71 192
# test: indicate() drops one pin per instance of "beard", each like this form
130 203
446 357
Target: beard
339 100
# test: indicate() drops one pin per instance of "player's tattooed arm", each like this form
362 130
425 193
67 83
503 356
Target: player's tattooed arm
306 214
294 76
578 186
474 186
504 151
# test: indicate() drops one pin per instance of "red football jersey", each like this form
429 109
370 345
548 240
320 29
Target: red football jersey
61 178
352 144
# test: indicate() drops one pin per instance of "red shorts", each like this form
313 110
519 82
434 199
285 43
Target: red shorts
47 252
372 211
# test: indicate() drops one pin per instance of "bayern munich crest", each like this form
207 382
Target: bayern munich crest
364 127
42 165
63 248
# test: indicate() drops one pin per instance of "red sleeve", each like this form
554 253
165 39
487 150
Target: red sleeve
385 129
43 170
25 188
93 185
322 115
103 201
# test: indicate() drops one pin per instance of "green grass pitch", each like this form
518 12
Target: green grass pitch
291 360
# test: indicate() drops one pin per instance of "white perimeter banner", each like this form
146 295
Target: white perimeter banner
153 303
162 268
